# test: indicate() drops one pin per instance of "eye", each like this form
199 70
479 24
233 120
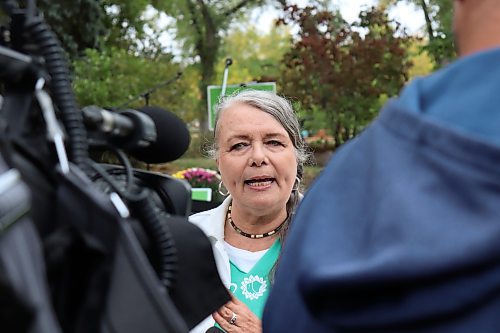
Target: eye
275 143
238 146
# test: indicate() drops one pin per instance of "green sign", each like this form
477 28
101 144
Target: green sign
214 92
201 194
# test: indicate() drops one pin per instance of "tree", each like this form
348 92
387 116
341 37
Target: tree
113 77
200 25
78 24
94 24
335 68
422 63
256 56
438 26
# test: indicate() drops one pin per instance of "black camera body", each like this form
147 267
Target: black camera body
108 248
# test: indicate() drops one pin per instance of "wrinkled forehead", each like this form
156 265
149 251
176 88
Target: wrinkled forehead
238 113
249 121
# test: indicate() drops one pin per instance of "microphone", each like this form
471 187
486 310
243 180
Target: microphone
172 140
150 134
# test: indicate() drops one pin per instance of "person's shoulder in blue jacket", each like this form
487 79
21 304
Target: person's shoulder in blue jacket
401 232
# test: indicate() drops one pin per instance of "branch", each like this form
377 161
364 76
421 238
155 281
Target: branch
210 29
196 24
428 21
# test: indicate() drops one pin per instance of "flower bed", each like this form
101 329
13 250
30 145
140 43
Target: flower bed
201 178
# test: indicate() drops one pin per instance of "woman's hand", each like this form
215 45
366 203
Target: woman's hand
243 320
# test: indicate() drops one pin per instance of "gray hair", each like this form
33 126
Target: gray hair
281 110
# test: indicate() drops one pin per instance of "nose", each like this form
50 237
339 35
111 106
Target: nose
258 155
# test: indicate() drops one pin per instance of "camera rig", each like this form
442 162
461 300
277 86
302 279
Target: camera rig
84 246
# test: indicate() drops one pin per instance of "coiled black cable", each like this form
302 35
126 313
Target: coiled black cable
154 223
62 92
161 238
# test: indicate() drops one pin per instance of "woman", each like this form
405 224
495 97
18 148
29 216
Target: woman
260 155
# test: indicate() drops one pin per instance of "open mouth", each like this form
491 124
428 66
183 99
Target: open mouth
262 182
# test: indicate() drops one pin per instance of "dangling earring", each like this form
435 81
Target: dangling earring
296 186
219 189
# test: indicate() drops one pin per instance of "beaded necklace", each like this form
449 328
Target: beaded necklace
253 236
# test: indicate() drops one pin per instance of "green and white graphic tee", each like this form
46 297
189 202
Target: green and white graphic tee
250 275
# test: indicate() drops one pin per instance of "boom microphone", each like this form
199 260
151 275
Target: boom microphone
172 137
150 134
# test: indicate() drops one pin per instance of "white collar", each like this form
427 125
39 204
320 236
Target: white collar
215 229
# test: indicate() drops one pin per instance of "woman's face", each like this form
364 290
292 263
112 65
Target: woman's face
256 159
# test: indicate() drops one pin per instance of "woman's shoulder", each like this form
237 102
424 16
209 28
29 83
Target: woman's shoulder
211 221
202 216
213 213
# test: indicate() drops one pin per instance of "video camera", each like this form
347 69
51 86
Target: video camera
85 246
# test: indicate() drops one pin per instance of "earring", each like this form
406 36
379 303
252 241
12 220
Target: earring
296 186
219 189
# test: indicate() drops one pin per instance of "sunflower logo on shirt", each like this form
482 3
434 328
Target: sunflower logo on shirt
253 287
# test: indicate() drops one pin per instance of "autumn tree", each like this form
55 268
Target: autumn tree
344 70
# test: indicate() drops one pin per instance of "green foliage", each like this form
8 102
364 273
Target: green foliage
312 118
342 70
200 26
115 76
256 56
83 24
439 17
422 62
125 23
79 24
185 163
438 20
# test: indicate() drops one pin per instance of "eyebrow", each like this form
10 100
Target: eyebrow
273 135
248 137
239 136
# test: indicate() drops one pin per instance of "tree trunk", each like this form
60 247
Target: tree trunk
428 21
208 59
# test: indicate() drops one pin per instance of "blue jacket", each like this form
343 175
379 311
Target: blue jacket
401 231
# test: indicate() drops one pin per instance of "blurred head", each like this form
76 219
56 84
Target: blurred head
259 150
476 24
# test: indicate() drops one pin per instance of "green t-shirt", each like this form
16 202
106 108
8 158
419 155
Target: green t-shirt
253 288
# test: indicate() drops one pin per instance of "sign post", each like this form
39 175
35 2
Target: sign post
214 94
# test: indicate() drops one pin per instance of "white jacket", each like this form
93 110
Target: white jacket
212 223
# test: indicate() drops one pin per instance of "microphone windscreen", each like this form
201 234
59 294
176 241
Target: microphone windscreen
172 139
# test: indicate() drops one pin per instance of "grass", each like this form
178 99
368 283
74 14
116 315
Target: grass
310 172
